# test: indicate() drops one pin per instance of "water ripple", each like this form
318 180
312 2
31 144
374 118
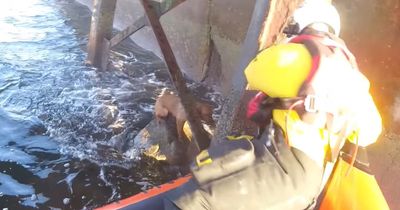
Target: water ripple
64 124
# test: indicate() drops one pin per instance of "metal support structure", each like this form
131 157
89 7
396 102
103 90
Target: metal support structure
279 11
160 6
137 25
248 52
267 22
200 135
100 32
100 41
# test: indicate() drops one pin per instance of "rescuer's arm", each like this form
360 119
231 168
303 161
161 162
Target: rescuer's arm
290 181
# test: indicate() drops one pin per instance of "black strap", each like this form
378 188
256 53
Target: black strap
361 161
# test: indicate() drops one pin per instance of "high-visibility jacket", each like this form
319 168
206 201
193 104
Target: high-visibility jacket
341 110
245 174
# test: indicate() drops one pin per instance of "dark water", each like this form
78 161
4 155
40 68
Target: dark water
66 129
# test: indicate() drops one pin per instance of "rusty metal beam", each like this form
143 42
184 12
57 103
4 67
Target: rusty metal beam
160 6
100 41
137 25
100 29
200 135
280 11
163 6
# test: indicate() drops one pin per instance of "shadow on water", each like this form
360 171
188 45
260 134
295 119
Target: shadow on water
65 128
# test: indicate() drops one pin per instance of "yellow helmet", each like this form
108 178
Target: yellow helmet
279 71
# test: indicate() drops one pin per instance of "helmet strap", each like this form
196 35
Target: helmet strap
319 27
292 29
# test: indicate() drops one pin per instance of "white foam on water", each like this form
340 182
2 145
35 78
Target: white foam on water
10 186
34 200
9 154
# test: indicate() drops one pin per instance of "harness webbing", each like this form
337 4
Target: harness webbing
318 46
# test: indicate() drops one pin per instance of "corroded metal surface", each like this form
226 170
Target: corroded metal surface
267 22
160 6
137 25
100 29
238 83
199 134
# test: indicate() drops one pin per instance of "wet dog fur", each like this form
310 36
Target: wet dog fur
169 103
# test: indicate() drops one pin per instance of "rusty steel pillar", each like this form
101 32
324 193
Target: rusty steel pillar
100 32
200 136
100 40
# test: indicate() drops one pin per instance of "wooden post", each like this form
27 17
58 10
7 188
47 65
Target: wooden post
200 135
100 32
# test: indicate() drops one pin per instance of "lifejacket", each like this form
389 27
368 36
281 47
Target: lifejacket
322 96
246 174
344 113
347 102
331 62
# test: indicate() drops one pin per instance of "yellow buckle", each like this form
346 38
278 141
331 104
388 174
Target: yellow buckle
247 137
311 103
203 158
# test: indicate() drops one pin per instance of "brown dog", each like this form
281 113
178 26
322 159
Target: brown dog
169 103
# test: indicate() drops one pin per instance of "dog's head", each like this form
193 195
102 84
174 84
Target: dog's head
205 111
